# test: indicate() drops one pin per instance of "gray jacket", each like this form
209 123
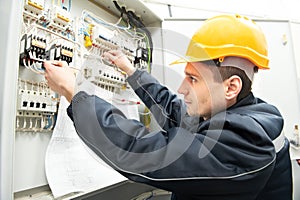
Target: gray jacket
230 156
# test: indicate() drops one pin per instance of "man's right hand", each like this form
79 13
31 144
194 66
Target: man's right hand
60 78
120 60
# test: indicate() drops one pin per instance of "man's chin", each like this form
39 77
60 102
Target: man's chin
192 113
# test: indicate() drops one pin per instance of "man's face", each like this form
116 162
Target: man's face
203 95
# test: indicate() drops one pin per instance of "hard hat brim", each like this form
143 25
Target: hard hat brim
179 61
184 60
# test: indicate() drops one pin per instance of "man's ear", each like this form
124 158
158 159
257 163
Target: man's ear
233 86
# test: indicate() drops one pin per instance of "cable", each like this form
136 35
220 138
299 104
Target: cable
135 21
70 3
117 6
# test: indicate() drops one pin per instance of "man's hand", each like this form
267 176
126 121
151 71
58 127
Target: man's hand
60 78
120 60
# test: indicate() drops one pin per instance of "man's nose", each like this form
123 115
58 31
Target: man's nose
182 88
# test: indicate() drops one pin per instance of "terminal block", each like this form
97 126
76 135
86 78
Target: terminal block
36 45
32 47
141 58
141 54
106 45
60 52
105 76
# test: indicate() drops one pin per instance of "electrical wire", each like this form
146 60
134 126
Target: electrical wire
24 124
33 66
86 13
24 63
125 101
49 123
18 123
119 21
136 22
52 122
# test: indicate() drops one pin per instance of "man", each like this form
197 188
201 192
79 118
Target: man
219 143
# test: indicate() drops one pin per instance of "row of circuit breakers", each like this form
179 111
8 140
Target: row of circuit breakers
52 34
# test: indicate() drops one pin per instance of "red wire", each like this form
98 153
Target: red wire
128 101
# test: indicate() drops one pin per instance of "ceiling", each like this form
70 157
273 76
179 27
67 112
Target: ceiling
148 17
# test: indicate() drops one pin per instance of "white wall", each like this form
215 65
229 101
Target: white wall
278 86
281 18
268 9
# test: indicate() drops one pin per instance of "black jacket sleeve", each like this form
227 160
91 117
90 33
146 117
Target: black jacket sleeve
163 104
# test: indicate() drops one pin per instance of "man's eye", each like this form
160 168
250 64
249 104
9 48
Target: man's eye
192 79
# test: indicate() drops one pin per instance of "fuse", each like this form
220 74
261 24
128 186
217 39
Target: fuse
34 6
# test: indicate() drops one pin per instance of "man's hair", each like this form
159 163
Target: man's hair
226 72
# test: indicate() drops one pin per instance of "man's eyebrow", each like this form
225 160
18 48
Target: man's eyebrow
190 73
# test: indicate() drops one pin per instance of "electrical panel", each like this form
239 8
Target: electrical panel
46 35
101 36
50 32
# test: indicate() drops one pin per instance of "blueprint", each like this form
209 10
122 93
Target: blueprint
71 167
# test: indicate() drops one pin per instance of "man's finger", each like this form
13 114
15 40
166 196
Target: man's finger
59 63
109 56
114 52
47 64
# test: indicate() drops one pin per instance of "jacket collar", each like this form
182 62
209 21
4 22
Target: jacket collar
248 100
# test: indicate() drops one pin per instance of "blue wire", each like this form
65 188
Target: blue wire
49 123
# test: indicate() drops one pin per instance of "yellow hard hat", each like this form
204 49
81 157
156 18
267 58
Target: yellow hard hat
228 35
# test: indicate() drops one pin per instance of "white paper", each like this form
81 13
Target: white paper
71 166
